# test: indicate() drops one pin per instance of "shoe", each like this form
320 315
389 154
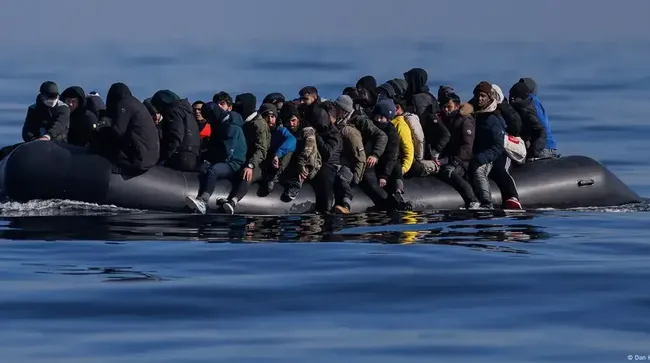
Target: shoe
221 201
474 206
269 186
292 192
513 203
196 204
228 207
487 206
341 209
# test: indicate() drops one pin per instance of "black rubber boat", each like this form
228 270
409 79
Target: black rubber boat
52 170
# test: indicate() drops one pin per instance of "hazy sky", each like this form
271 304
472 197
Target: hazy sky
32 22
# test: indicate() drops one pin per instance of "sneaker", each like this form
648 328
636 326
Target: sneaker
487 206
513 203
341 209
292 192
474 206
221 201
196 204
270 185
228 207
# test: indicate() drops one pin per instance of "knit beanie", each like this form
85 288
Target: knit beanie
519 90
268 107
345 103
385 108
274 98
288 111
484 87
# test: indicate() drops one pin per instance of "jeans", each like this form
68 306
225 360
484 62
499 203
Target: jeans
342 189
271 173
501 176
183 161
455 176
481 182
213 173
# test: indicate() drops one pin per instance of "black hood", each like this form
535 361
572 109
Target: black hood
245 104
417 79
320 120
213 113
368 83
164 99
531 84
118 92
75 92
95 104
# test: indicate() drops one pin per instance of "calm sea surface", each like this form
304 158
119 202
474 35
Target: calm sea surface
87 283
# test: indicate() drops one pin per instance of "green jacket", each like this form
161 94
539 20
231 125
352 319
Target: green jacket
258 138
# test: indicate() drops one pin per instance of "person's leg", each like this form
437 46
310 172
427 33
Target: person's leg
213 173
370 186
454 176
501 176
481 184
342 190
324 187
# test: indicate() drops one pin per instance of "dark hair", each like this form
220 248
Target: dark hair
199 102
222 97
329 107
401 102
311 90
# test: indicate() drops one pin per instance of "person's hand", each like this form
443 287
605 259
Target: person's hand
45 138
372 160
248 174
276 162
382 182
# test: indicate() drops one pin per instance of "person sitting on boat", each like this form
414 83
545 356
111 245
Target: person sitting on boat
204 127
49 117
275 98
181 144
406 147
95 104
550 149
245 105
353 155
533 130
82 120
224 100
367 90
455 157
226 156
258 138
387 172
330 145
488 140
421 166
421 102
281 149
131 143
306 161
156 117
309 99
508 113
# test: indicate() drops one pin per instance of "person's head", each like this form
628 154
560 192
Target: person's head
153 111
400 106
384 111
116 93
275 98
196 108
344 106
269 113
351 91
519 91
290 116
367 90
498 93
452 104
164 99
74 97
386 90
332 111
212 112
483 94
245 104
308 95
224 101
49 93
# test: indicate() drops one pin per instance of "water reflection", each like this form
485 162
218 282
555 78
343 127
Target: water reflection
471 229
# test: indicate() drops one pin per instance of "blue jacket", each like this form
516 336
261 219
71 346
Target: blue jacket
543 118
488 141
227 141
282 141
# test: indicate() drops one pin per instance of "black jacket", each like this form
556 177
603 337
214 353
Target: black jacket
42 120
512 118
328 137
532 129
388 160
82 120
462 129
180 141
131 142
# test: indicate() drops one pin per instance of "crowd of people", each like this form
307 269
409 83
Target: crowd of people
373 136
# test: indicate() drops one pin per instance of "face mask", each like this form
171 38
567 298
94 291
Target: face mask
50 102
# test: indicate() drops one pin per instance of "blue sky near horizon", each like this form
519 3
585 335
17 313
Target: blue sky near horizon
76 22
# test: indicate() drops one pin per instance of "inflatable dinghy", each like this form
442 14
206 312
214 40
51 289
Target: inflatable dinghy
53 170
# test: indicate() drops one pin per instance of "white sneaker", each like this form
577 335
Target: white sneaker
474 206
196 204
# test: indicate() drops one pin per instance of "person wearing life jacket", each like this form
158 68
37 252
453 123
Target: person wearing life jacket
49 117
131 143
368 95
181 144
533 131
550 147
258 138
82 120
204 127
226 156
277 99
422 103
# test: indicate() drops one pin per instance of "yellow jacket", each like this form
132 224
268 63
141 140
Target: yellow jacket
405 142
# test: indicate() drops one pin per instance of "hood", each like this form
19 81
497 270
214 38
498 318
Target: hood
213 113
116 93
399 85
274 98
369 83
75 92
95 104
320 119
498 93
185 105
416 79
519 91
531 84
150 107
388 90
164 99
245 104
444 93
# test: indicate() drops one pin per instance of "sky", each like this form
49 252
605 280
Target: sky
74 22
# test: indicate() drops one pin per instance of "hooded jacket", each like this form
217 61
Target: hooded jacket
328 137
131 142
282 141
369 85
386 163
489 136
82 120
258 136
353 152
541 112
462 128
42 120
180 132
374 140
405 142
532 129
227 142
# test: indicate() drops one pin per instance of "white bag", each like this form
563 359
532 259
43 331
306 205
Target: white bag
515 148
